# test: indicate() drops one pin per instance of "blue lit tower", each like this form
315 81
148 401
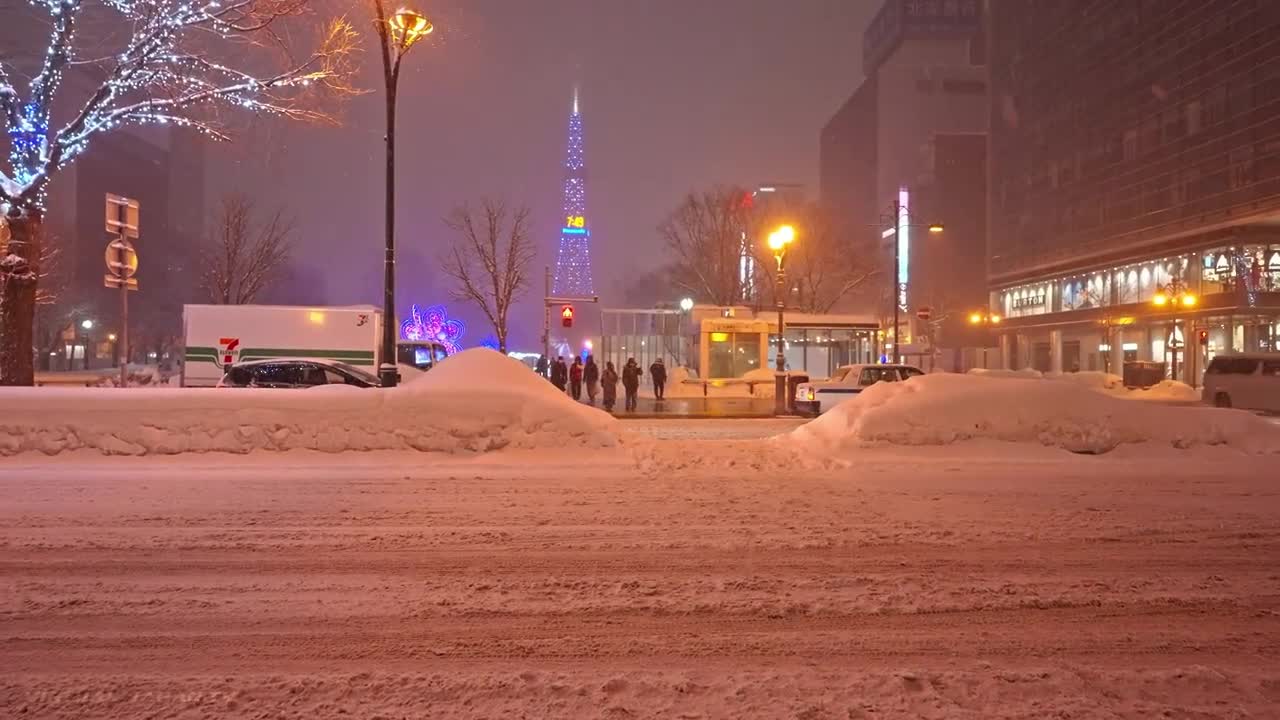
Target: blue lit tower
573 263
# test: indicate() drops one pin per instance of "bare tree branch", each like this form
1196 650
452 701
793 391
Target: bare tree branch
243 258
705 234
489 264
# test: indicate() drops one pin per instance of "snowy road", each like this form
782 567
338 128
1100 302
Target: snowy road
915 585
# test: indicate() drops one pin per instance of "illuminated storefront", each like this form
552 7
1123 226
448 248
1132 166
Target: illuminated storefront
1099 320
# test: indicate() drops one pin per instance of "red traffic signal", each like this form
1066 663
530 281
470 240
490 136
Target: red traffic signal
1204 337
566 316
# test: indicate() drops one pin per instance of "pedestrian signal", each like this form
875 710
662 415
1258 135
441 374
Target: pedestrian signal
566 316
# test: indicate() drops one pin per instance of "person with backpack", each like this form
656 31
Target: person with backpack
631 373
575 379
658 374
591 376
609 381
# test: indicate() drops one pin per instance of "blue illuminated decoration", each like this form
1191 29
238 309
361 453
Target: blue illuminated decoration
573 262
433 325
489 341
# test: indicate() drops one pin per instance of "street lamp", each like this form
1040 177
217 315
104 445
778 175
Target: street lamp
686 304
778 241
397 34
984 318
1173 295
86 325
898 288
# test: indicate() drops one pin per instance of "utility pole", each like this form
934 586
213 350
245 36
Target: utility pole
122 264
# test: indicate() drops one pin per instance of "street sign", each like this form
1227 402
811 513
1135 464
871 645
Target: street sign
122 259
122 216
112 281
924 313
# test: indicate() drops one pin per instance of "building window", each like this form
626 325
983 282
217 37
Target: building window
1240 173
732 355
1184 190
1215 106
1192 113
1130 144
1174 125
1240 96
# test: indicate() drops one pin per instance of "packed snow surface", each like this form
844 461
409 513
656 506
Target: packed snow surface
941 409
921 584
475 401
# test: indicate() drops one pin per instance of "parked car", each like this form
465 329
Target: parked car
816 398
295 373
1246 380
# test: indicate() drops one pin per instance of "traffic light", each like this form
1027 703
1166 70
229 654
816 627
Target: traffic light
566 316
1203 335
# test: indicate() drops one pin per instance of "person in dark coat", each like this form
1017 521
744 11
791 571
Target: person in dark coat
591 376
631 373
609 381
543 367
575 379
559 374
658 374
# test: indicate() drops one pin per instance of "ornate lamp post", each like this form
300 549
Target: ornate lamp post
779 240
397 34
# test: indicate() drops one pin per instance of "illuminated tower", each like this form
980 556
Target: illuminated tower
573 262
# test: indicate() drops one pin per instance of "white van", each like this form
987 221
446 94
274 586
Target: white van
1250 381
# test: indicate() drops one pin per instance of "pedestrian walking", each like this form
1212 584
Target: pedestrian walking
631 373
609 382
658 374
575 379
543 366
591 376
559 374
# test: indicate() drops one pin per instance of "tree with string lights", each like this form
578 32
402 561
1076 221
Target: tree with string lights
178 62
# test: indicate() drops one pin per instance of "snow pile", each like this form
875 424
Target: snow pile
1170 391
476 401
942 409
1023 374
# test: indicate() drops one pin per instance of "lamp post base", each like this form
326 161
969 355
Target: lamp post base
780 406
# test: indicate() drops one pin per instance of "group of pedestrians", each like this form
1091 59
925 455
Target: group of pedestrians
578 376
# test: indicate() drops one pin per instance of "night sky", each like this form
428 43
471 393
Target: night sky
676 95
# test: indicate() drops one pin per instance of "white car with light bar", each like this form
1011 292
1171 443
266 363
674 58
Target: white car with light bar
846 382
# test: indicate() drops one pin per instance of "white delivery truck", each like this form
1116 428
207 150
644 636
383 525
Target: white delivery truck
218 336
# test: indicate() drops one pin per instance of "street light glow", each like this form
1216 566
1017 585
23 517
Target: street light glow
936 228
995 319
1160 299
686 304
111 337
782 237
408 27
1189 300
86 324
975 318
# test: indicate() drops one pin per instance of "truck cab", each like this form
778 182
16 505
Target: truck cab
420 355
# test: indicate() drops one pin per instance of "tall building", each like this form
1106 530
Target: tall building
573 261
924 93
1135 181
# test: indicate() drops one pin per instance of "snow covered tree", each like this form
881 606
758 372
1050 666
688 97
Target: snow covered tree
244 255
177 62
489 260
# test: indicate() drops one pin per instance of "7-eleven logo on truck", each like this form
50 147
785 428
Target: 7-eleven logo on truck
228 350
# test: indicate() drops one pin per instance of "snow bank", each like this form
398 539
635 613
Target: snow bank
942 409
1024 374
1164 391
475 401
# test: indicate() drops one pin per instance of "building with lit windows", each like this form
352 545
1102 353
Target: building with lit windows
1134 181
914 132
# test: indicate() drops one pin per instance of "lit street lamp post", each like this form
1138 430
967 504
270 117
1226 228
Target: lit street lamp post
86 325
397 34
898 288
115 349
1174 295
778 241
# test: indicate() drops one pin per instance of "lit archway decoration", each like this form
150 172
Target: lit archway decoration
433 324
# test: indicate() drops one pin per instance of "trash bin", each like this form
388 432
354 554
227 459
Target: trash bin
1143 373
793 382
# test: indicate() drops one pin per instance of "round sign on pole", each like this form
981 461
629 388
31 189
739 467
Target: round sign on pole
122 259
924 313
